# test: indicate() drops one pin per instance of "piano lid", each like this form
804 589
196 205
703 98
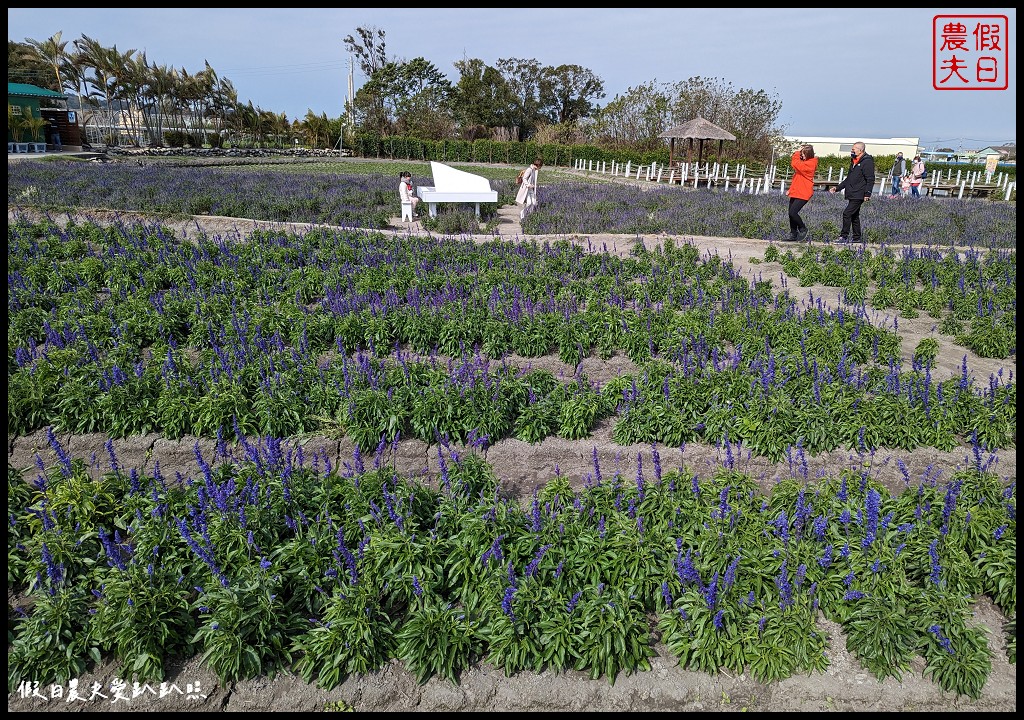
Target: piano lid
448 179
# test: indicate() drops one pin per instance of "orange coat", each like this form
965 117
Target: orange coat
802 186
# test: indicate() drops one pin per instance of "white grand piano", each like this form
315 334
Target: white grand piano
457 186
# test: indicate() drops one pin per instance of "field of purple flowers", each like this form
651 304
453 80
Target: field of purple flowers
367 199
267 559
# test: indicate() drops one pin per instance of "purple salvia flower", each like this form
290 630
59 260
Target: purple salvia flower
719 625
784 586
62 457
506 602
531 569
820 525
944 642
109 446
872 504
54 570
730 573
782 526
494 551
535 517
949 504
723 504
573 601
686 571
711 593
933 554
825 561
640 477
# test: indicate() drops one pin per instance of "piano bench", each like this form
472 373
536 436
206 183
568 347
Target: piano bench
407 211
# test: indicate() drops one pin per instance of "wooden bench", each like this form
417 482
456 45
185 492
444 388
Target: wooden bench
980 190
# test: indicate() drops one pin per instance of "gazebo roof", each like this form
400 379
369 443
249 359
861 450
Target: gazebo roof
698 129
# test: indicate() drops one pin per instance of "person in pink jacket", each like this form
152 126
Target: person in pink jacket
916 176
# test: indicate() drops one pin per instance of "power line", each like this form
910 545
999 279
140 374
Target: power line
286 69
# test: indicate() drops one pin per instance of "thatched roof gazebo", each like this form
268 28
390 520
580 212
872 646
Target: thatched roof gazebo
697 129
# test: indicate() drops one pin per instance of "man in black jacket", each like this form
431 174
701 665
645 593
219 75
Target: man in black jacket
857 185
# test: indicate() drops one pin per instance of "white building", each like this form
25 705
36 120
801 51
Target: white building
876 147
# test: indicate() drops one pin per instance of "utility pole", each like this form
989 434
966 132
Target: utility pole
351 91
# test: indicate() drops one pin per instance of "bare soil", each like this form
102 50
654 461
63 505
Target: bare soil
523 467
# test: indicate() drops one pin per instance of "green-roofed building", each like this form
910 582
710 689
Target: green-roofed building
24 101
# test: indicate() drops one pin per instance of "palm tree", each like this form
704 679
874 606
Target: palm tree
132 82
35 126
162 83
107 64
225 101
51 51
317 129
15 124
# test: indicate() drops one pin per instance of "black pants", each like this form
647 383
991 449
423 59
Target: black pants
796 223
851 219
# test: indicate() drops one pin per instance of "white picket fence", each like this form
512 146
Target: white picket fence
735 178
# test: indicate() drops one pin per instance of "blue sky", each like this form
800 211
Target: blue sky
863 72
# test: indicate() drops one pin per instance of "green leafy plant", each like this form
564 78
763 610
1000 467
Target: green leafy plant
144 619
244 626
355 635
438 639
926 351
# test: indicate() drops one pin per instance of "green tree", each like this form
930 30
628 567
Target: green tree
632 120
523 79
483 99
24 65
567 93
751 118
